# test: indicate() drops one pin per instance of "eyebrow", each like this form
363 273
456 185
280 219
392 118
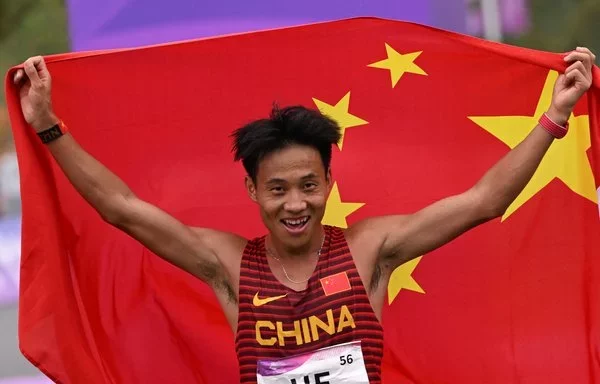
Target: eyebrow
309 176
276 180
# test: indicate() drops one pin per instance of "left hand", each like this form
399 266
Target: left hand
571 85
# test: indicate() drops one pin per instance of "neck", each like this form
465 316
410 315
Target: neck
304 251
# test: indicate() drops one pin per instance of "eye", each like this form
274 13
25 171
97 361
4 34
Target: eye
277 190
310 185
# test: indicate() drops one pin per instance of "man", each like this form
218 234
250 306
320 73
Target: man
304 301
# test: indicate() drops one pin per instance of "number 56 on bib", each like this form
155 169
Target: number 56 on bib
338 364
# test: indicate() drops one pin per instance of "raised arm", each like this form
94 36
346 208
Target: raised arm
210 255
405 237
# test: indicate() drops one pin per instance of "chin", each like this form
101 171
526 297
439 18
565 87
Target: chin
294 240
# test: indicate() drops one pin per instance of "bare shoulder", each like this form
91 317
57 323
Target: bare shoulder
221 241
228 249
227 246
372 232
366 240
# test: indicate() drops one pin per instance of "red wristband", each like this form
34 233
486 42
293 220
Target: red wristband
558 131
63 127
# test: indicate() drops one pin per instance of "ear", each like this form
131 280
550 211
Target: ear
250 188
329 179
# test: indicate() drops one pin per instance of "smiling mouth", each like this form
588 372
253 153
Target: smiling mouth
296 223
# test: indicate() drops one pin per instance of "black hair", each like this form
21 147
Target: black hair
284 127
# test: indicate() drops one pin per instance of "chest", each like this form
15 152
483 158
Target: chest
281 322
294 275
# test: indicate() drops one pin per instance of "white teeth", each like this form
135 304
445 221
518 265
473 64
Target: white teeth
296 222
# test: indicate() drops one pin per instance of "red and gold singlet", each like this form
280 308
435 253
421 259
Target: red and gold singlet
323 334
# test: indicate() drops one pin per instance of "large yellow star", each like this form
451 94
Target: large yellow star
337 211
566 159
402 278
340 114
399 64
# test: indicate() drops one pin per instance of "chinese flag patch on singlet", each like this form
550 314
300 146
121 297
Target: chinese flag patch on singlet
335 283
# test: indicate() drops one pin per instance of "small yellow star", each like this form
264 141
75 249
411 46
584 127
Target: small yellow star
399 64
340 114
336 211
402 278
566 158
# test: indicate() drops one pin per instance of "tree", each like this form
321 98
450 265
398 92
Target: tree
11 13
27 28
562 25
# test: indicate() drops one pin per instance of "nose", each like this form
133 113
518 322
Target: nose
295 202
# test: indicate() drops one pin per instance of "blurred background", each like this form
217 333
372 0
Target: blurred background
32 27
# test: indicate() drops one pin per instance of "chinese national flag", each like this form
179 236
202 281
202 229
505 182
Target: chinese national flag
425 113
335 283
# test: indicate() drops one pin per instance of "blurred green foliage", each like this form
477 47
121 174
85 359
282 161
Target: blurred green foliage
562 25
32 27
28 27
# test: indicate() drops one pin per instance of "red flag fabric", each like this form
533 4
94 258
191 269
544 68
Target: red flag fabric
424 112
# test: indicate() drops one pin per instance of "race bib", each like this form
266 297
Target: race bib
338 364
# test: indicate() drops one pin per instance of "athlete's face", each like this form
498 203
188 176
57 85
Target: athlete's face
291 189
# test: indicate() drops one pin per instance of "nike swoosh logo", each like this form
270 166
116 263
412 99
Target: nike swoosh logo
258 302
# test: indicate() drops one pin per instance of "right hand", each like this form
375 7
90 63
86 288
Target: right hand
35 84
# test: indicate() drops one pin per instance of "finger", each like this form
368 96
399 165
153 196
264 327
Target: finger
575 76
562 79
18 76
576 65
586 58
584 68
578 56
40 65
586 50
31 71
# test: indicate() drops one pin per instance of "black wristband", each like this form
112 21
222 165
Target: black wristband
50 134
